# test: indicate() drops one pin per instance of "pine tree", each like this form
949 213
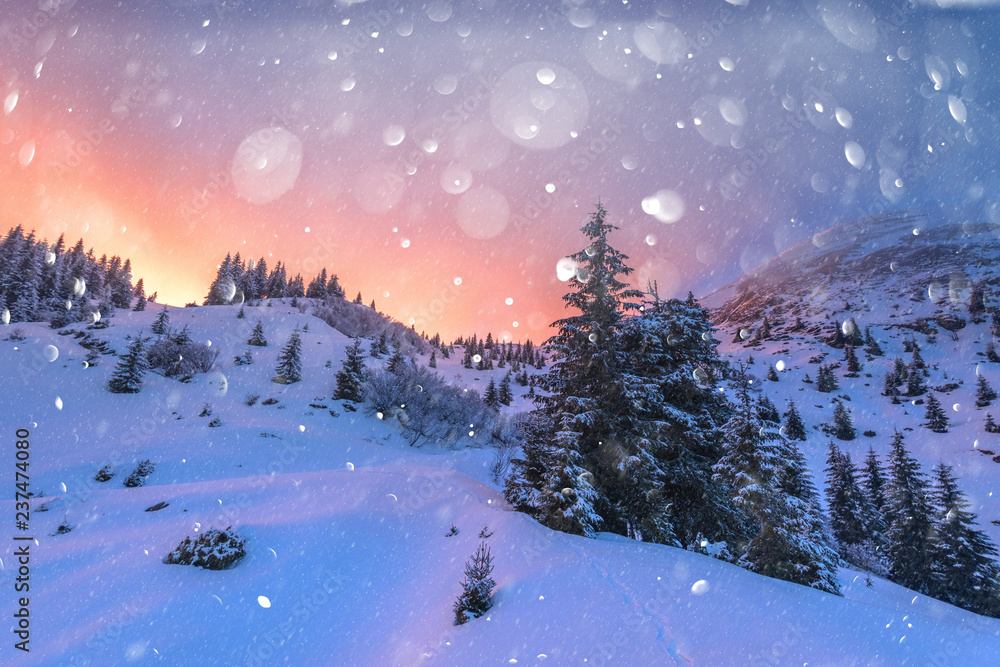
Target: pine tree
889 385
826 381
433 360
772 375
874 482
991 350
223 288
477 590
127 376
965 574
581 404
397 361
766 410
786 545
843 426
140 297
357 299
900 371
908 515
851 515
937 419
490 397
991 426
257 335
851 359
914 381
161 325
977 302
984 392
665 439
793 427
871 345
352 375
289 368
504 395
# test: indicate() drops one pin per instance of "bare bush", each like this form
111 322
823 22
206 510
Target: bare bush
428 409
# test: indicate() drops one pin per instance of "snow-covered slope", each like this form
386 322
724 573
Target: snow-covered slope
348 562
907 277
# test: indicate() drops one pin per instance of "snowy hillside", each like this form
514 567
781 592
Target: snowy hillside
348 558
901 278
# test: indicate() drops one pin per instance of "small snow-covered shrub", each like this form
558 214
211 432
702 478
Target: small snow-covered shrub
212 550
251 399
16 334
184 357
216 422
104 474
141 472
426 407
269 401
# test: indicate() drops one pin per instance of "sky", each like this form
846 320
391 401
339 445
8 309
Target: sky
441 157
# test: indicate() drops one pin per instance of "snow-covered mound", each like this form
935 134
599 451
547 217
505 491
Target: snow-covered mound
348 558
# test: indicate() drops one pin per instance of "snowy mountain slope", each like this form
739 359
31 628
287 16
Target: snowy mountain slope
877 273
893 265
346 537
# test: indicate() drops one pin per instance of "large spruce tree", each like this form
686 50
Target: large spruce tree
583 396
788 543
908 515
966 575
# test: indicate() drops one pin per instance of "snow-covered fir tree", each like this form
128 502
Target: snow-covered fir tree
490 397
843 425
874 483
985 394
257 335
787 543
826 381
477 590
767 411
504 395
352 375
396 361
853 519
937 418
140 297
161 325
851 361
127 376
908 516
289 368
977 301
966 572
793 427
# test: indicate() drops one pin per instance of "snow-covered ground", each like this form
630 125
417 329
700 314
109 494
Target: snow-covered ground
348 562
